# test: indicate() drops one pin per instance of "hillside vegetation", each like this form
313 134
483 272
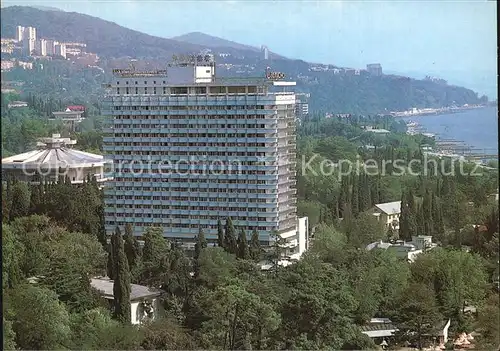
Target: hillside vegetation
337 93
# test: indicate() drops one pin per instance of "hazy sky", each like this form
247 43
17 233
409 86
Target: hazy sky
455 40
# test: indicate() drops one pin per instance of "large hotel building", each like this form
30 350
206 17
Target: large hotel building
189 148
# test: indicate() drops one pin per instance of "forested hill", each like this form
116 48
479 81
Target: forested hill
330 92
105 38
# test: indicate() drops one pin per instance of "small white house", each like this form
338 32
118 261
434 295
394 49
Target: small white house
144 302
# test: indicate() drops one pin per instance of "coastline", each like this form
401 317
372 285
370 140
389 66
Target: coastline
436 111
455 145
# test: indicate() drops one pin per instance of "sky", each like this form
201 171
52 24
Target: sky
454 40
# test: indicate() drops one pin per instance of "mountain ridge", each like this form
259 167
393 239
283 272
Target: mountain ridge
330 91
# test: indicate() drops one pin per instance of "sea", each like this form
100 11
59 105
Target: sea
477 128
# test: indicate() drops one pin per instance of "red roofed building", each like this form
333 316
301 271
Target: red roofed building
76 108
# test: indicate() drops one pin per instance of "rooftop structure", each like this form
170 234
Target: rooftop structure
374 69
71 117
229 144
379 328
377 130
54 157
17 104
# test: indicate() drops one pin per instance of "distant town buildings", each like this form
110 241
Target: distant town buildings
41 47
436 80
8 46
26 43
51 47
25 65
7 65
17 104
26 36
375 69
379 131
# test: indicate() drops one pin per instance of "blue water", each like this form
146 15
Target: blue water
477 128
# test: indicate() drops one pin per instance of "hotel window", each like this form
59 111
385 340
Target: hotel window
217 90
179 90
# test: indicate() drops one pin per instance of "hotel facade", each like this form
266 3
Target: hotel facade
189 148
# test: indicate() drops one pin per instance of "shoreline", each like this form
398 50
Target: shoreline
451 147
436 111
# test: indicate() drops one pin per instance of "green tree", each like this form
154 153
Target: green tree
417 315
39 320
488 322
220 234
166 334
329 244
255 249
230 242
235 321
243 251
9 336
74 258
457 277
12 256
121 283
155 257
132 248
201 243
21 199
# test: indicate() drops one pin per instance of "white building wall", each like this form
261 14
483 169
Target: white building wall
41 47
19 33
303 234
60 50
134 306
136 312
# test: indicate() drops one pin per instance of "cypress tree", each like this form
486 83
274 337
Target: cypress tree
21 200
420 220
5 208
355 196
404 217
428 213
374 192
110 266
243 251
200 244
131 247
255 249
121 286
364 194
230 243
412 215
220 234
